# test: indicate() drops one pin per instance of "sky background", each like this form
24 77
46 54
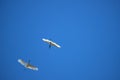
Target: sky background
87 30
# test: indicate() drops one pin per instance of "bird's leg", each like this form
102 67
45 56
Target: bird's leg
50 45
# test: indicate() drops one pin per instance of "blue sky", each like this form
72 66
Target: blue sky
87 30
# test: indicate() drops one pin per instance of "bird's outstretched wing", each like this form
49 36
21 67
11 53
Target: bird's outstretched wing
22 62
27 65
51 42
32 67
55 44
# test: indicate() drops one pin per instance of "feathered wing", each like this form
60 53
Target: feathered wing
51 42
46 40
32 67
22 62
54 44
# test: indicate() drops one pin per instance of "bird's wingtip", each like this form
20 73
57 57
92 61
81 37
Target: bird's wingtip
36 69
19 60
59 47
43 39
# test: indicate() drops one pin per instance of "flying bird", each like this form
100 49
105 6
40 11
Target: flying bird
27 65
51 43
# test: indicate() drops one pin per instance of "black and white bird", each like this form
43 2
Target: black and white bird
51 43
27 65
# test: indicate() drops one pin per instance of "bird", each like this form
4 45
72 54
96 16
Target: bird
51 43
27 65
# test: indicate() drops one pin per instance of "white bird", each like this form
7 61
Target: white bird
27 65
51 43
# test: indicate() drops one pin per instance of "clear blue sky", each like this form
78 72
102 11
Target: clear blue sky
87 30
